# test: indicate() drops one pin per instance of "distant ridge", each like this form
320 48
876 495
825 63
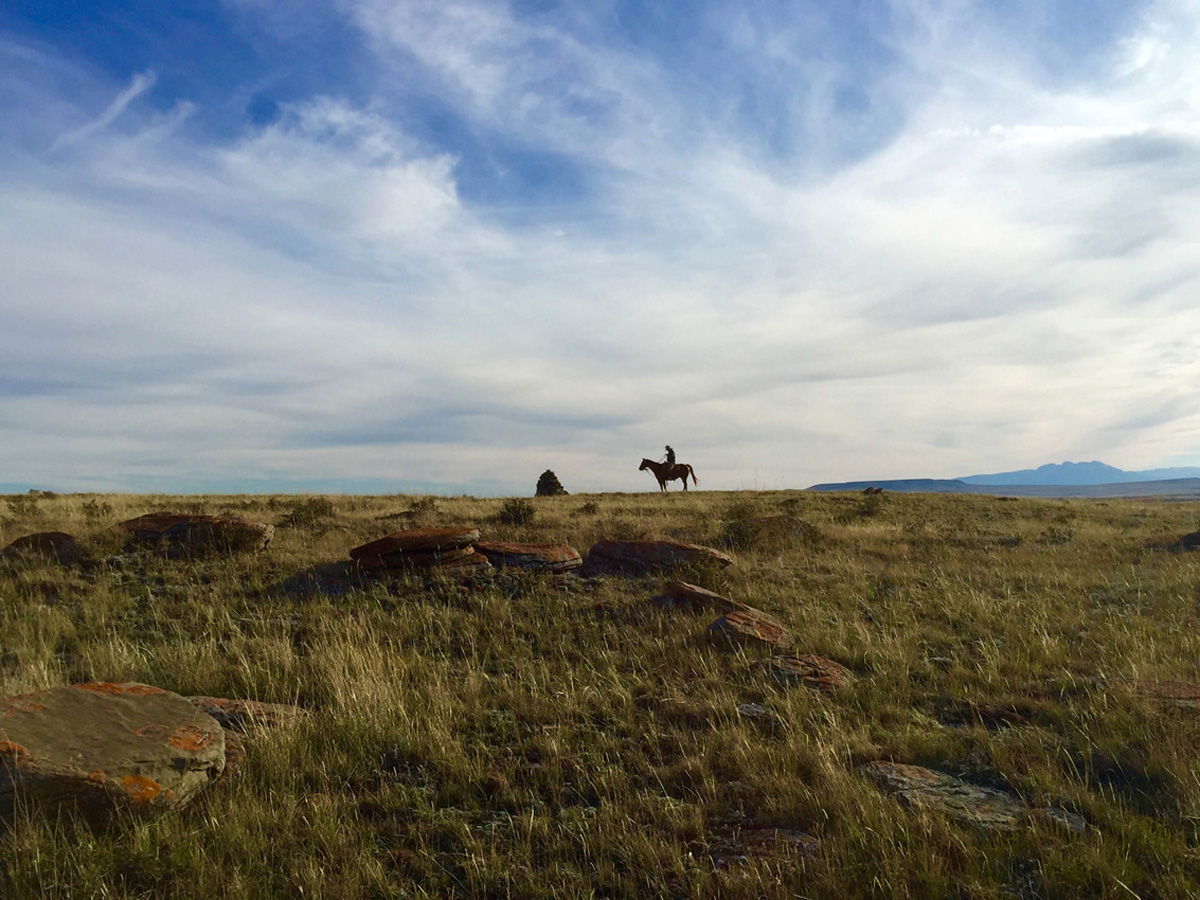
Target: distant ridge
1180 488
1080 473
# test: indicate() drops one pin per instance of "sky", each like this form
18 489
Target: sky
439 247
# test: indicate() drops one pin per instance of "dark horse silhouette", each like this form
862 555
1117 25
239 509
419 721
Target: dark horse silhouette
665 472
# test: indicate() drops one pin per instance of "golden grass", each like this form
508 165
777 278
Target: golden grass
529 739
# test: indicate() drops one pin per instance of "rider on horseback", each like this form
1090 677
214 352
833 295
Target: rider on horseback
670 456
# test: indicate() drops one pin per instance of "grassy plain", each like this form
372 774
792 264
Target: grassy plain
530 739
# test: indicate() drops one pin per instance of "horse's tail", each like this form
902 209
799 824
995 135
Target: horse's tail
694 479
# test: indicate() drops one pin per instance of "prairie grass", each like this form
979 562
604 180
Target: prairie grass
540 737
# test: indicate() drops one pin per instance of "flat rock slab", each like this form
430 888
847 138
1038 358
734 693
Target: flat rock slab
634 558
966 803
749 628
49 546
335 579
417 540
244 715
1181 693
693 598
103 746
417 559
810 671
184 534
544 557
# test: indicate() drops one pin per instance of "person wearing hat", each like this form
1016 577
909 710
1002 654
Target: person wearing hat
670 456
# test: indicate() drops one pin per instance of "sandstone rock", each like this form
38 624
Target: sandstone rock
417 540
546 557
749 628
690 597
644 557
243 715
103 746
51 546
813 672
187 534
966 803
549 486
1190 541
335 579
424 559
1180 693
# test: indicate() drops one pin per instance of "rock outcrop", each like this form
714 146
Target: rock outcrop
548 485
102 746
635 558
541 557
749 627
195 535
813 672
448 550
47 546
692 598
961 801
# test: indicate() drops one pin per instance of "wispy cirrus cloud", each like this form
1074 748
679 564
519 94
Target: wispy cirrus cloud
907 239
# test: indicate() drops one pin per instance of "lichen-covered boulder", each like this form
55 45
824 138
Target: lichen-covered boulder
185 534
102 746
636 558
544 557
417 540
961 801
49 546
693 598
423 559
749 628
813 672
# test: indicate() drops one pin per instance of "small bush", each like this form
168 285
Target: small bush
308 513
517 511
591 508
96 511
424 505
24 506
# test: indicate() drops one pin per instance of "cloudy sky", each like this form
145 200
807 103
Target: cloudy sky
398 245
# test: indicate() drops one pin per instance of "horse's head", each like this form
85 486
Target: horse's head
645 465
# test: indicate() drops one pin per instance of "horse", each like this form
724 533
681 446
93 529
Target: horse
665 472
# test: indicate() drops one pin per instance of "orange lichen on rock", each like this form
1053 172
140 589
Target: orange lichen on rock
141 790
21 704
97 776
15 751
190 738
112 687
152 731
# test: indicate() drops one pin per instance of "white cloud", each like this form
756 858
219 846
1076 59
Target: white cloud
1008 281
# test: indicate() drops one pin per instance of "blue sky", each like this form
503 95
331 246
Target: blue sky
442 246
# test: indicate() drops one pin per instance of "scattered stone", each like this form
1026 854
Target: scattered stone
242 715
335 579
749 628
549 486
1189 541
813 672
1179 693
635 558
417 540
690 597
188 534
733 843
1068 821
425 559
50 546
103 746
545 557
966 803
872 491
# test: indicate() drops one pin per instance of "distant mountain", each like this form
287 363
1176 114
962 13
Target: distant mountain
1080 473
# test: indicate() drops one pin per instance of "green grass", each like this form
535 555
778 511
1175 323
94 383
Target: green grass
536 739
